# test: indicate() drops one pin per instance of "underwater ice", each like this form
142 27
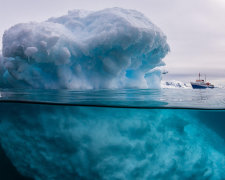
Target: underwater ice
111 48
59 142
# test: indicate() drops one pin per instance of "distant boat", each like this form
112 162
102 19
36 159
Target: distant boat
201 84
164 72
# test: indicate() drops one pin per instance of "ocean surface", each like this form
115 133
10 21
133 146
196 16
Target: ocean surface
112 134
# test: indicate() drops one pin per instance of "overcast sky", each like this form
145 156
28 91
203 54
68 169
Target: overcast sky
195 28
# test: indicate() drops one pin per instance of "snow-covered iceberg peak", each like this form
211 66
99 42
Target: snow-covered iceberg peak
111 48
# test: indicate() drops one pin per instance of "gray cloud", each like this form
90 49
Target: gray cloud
195 28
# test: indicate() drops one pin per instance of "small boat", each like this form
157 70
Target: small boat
201 84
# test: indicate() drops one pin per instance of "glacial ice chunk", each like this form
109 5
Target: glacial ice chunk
111 48
175 84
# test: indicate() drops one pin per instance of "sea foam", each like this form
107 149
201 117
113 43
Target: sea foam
111 48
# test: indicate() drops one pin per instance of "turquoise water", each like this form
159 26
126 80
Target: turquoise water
116 134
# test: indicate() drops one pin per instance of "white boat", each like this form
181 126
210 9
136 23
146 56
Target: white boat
201 84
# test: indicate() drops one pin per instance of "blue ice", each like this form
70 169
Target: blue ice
83 50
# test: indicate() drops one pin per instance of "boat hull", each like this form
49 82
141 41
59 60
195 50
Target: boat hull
198 86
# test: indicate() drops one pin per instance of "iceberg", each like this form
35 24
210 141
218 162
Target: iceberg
111 48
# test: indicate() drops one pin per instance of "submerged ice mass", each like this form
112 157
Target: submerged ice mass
111 48
71 142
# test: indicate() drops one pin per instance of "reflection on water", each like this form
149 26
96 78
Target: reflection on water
187 98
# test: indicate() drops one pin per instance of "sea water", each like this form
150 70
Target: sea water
113 134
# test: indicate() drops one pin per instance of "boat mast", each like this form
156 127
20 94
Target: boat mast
199 76
205 78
